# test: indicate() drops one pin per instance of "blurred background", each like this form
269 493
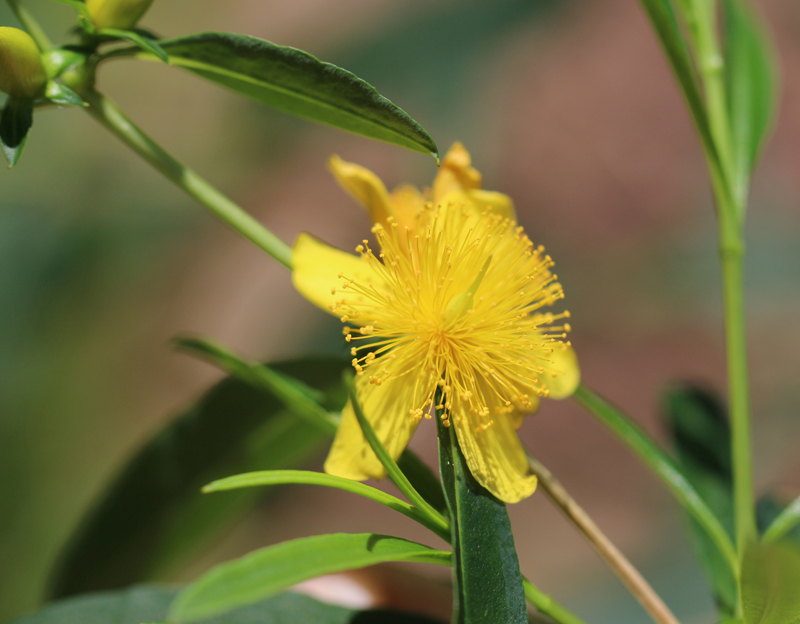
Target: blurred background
566 105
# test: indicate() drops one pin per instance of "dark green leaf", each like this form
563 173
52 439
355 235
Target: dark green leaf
150 604
752 85
153 513
770 584
145 43
15 124
297 83
701 435
486 577
265 572
57 93
423 480
662 465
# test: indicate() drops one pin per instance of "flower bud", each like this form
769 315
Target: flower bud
122 14
22 72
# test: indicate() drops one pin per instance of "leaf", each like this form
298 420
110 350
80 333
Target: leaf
778 522
145 43
306 477
150 604
701 435
752 85
770 582
423 480
487 583
152 514
15 124
297 83
267 571
81 8
663 466
59 94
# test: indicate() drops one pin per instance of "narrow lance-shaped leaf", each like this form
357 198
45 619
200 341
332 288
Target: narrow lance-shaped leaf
487 581
15 124
752 86
267 571
294 82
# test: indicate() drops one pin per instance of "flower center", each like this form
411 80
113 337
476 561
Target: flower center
456 304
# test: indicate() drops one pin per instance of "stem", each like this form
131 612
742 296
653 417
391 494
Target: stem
738 390
618 563
108 114
545 604
31 25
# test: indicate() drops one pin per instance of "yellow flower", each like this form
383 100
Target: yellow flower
448 315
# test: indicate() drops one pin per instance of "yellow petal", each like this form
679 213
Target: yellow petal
500 203
316 267
495 456
407 204
455 174
364 186
565 362
386 407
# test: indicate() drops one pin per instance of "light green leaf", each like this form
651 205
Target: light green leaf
59 94
752 86
265 572
153 514
785 523
15 125
770 584
663 466
701 435
144 43
281 477
150 604
487 584
297 83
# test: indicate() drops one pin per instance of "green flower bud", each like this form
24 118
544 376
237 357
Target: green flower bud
22 72
122 14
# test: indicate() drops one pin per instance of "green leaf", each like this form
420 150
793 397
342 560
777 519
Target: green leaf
770 582
779 522
59 94
15 124
265 572
487 583
305 477
752 85
437 523
303 401
150 604
701 435
663 466
297 83
153 514
145 43
662 17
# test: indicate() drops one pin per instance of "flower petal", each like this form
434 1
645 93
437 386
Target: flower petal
407 205
455 174
500 203
364 186
316 267
495 455
565 382
386 407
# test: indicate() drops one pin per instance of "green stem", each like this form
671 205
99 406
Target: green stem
545 604
108 114
738 390
31 25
